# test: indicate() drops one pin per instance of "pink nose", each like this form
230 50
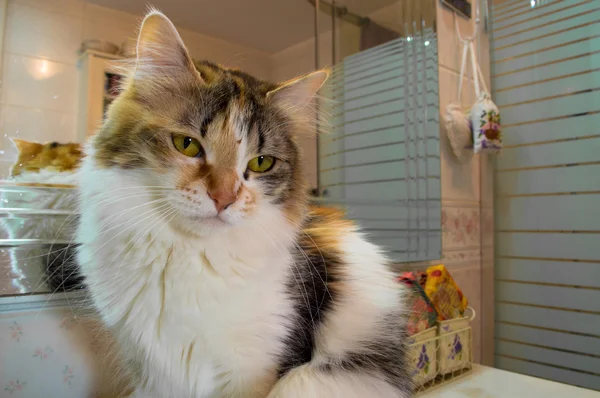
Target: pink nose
222 198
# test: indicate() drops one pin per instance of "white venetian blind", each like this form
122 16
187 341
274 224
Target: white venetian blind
546 82
380 158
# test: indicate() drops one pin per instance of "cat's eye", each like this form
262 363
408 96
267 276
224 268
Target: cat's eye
261 164
188 146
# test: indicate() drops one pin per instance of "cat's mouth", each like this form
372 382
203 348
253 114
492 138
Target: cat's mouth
211 220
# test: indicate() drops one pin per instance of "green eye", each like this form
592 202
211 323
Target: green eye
188 146
261 164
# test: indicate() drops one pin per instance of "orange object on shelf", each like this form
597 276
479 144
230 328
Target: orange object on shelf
444 293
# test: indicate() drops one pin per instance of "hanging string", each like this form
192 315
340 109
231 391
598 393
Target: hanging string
475 29
468 47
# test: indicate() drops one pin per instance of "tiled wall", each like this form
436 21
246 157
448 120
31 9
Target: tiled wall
467 195
49 352
39 97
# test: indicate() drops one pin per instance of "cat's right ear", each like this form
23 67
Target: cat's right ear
160 50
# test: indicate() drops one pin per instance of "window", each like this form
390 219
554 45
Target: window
381 156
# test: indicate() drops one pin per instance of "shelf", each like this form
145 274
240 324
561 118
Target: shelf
100 54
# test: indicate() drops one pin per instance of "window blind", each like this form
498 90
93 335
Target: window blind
546 82
380 157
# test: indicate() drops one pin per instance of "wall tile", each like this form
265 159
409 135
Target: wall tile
38 33
487 227
460 180
39 83
50 351
449 89
460 227
450 47
457 258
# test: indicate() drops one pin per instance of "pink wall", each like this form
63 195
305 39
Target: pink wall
467 191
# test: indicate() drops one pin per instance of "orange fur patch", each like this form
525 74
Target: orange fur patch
320 238
323 229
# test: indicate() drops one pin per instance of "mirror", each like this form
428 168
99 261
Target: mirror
60 74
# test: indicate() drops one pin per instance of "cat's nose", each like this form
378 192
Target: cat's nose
222 198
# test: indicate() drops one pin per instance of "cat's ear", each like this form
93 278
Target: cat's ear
297 93
160 50
26 147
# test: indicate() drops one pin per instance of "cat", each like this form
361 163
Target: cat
37 162
213 273
52 168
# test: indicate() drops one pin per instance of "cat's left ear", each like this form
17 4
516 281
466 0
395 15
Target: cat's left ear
26 147
297 93
160 50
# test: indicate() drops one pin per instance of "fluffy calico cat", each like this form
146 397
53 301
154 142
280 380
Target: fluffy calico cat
213 273
53 166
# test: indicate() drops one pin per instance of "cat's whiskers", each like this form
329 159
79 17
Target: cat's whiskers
75 212
108 241
71 274
142 233
105 224
157 209
71 218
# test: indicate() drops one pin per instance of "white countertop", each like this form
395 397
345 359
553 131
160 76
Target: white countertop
486 382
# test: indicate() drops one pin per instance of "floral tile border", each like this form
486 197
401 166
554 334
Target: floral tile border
455 257
460 227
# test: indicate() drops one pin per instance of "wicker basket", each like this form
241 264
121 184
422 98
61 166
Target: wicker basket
454 344
423 354
442 353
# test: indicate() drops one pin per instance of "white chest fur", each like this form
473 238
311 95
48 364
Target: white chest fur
199 317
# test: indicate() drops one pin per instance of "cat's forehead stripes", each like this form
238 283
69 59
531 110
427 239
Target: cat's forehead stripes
229 95
222 136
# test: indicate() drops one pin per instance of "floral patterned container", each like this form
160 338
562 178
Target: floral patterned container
423 347
454 345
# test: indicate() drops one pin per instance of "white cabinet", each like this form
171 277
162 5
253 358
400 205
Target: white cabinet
98 85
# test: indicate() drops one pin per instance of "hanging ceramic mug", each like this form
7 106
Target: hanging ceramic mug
485 117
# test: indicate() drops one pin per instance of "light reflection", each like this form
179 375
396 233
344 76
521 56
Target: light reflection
41 69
